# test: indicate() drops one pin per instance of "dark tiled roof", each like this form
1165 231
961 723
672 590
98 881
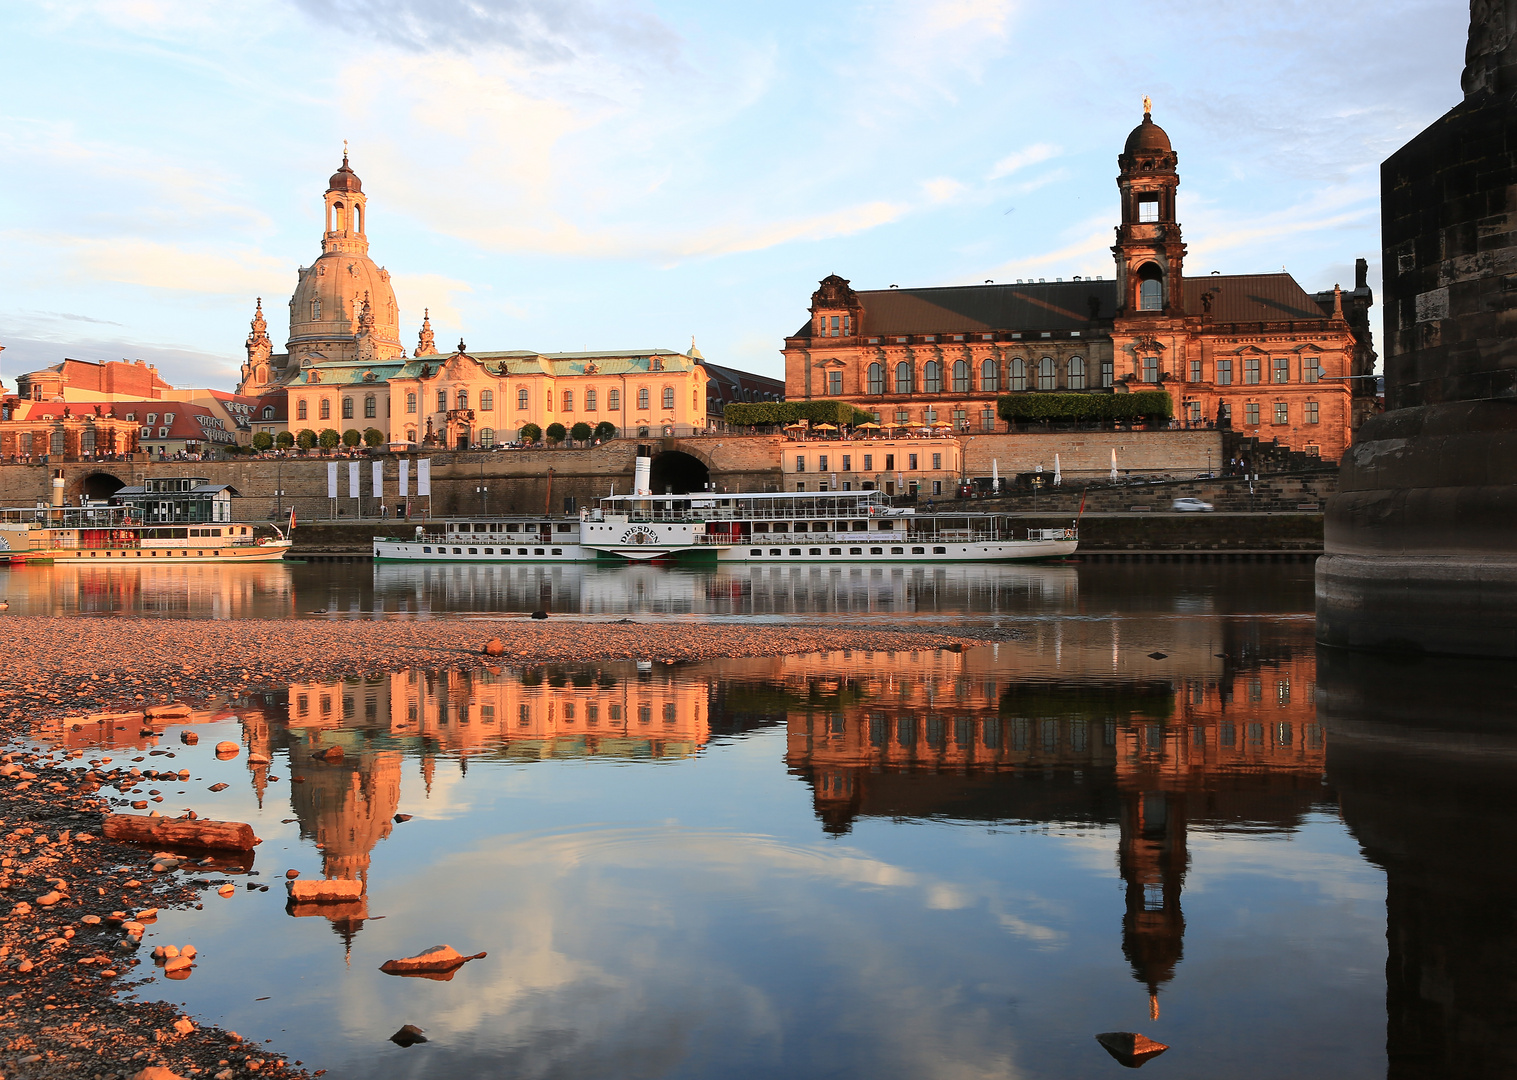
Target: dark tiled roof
959 309
1252 298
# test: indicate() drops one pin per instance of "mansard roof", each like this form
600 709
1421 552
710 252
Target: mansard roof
959 309
526 362
1244 298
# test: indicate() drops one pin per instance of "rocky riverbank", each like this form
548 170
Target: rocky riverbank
73 904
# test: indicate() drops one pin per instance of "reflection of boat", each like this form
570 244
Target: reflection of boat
723 589
186 519
839 527
154 587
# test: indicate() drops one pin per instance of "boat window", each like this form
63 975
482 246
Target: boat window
897 551
834 551
774 551
474 551
940 551
918 551
456 551
782 526
755 551
537 551
818 526
816 551
489 551
855 551
521 551
558 551
427 550
876 551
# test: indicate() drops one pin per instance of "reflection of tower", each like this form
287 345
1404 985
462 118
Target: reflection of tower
1153 859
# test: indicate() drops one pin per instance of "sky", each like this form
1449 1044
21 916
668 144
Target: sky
565 175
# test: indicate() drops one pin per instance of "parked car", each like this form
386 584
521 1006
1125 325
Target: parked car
1192 505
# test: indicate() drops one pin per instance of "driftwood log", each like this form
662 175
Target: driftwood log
180 832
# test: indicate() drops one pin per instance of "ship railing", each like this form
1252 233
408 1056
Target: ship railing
1053 534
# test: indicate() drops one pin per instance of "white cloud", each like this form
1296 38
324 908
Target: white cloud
1020 159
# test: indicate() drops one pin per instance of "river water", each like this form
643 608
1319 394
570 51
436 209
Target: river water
1159 809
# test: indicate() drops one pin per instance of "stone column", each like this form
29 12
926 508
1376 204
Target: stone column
1421 538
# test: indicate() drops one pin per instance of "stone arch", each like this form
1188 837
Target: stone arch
98 485
678 472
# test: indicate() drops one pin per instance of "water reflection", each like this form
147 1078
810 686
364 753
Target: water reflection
192 590
899 864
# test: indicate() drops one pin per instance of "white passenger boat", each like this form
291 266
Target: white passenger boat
758 527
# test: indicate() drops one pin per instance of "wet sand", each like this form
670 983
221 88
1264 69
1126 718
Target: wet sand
68 897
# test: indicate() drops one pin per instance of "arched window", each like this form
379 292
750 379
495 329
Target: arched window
521 400
262 376
411 401
1076 373
486 437
300 409
990 375
370 407
1150 288
876 375
87 440
642 397
347 408
568 401
668 397
961 376
932 377
903 378
590 401
268 412
1046 378
326 409
487 401
315 308
613 399
463 399
1018 374
410 435
442 401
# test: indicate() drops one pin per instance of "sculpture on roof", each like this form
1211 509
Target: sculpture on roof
834 292
1490 56
426 344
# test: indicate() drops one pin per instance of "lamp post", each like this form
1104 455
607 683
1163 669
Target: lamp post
484 498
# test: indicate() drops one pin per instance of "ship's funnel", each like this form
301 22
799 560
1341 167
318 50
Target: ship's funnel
58 483
642 483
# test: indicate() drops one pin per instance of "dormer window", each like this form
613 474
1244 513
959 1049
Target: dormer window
152 418
1148 208
656 364
268 412
168 418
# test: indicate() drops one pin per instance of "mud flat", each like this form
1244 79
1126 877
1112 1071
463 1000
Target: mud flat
73 904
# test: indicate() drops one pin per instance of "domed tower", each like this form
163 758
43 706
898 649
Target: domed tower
1149 251
328 300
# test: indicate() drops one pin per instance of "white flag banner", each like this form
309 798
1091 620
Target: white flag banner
331 479
405 478
352 479
424 477
379 479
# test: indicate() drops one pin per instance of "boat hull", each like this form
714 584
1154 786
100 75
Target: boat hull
245 553
841 553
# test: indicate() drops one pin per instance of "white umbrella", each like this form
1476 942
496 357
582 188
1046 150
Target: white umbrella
1113 464
995 475
1058 477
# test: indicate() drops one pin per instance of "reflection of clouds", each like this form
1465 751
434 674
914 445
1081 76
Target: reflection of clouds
645 952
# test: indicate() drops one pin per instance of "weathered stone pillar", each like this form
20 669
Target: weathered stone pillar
1421 538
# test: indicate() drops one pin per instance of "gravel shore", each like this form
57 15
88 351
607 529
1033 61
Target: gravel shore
69 899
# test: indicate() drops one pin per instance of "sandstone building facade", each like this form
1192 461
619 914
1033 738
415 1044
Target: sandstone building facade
1256 352
344 365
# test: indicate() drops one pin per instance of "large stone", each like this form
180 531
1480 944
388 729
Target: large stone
438 961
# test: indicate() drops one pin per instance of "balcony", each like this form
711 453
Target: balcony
463 415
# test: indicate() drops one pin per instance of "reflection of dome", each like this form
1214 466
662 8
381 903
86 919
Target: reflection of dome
344 179
1147 138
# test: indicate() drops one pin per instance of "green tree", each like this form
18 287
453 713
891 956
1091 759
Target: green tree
373 436
556 433
284 440
605 430
329 438
581 432
530 433
306 439
262 440
352 437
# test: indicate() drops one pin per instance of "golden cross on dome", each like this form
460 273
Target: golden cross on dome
1148 107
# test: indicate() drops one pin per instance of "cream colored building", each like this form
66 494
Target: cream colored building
930 466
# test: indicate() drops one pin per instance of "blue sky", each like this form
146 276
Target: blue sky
608 174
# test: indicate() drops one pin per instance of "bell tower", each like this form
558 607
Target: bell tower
347 212
1149 251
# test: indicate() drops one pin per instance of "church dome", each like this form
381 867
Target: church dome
325 306
344 179
1147 138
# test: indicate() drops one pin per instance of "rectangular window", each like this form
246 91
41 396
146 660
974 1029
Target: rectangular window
835 320
668 397
442 401
1311 368
1150 369
834 382
590 404
847 462
568 401
1251 370
1282 413
1224 372
890 462
463 400
410 402
1108 372
487 400
1251 414
868 462
613 400
1311 412
937 489
988 419
821 463
347 408
1195 371
937 461
643 398
800 463
1282 369
1148 208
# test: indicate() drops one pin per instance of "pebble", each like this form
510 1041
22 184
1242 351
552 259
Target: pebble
227 749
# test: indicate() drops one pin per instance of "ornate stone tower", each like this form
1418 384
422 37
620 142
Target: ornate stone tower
426 344
1420 555
1149 252
255 370
327 304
